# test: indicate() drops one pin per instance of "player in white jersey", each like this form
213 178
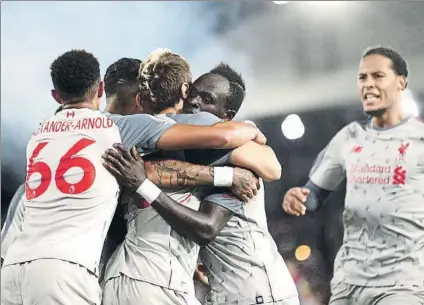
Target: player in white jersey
70 197
381 260
248 276
14 218
145 266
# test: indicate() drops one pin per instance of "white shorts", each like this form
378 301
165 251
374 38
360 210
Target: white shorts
123 290
48 282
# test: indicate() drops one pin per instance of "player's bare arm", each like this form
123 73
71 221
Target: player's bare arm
177 174
267 166
223 135
201 226
325 176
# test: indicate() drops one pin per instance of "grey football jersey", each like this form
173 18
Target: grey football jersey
70 196
384 206
15 215
243 263
152 250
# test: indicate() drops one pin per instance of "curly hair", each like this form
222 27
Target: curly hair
122 76
161 76
237 85
75 75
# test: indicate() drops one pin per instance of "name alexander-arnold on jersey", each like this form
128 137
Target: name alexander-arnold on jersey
81 124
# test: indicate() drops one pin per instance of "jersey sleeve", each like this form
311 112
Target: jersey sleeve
211 157
222 197
141 130
14 218
328 170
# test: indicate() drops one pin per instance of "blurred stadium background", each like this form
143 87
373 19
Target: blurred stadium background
299 60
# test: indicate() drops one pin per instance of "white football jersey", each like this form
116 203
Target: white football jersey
70 196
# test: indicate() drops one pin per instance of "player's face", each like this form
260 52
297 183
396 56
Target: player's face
208 93
378 84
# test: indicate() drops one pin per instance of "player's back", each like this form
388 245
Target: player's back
243 261
70 197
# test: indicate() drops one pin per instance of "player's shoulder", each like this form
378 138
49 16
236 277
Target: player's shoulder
200 118
352 130
417 121
138 118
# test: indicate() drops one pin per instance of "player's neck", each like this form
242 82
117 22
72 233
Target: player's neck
80 105
391 117
170 110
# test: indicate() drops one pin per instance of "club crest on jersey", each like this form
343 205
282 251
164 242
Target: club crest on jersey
402 151
356 149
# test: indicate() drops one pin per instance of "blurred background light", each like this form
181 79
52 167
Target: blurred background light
302 252
292 127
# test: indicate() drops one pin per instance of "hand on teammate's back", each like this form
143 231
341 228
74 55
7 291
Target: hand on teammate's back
293 203
245 184
127 168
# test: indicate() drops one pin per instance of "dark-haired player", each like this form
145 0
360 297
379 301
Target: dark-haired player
221 92
70 197
145 268
381 260
242 260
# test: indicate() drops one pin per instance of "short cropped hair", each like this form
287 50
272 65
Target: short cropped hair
75 75
399 65
121 76
161 76
237 85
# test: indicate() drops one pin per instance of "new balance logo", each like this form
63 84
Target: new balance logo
356 149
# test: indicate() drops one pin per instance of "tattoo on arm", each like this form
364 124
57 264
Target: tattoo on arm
175 174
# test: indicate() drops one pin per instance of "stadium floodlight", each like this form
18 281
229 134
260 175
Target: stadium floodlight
281 2
292 127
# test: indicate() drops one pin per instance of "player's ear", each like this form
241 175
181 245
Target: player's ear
229 115
403 82
56 96
139 103
101 89
184 90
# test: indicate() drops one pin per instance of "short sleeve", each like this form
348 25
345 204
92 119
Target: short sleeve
141 130
328 170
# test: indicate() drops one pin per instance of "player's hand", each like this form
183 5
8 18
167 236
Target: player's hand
127 168
200 275
260 138
294 200
245 184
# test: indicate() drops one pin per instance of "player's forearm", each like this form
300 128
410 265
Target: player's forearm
195 225
219 136
175 174
261 159
316 197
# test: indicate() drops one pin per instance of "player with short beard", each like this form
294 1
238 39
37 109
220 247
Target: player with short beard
66 210
381 260
166 77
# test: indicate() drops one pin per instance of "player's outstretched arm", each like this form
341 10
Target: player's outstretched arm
149 133
327 173
177 174
222 135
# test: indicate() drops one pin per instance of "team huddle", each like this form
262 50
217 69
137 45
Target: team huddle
118 207
85 173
